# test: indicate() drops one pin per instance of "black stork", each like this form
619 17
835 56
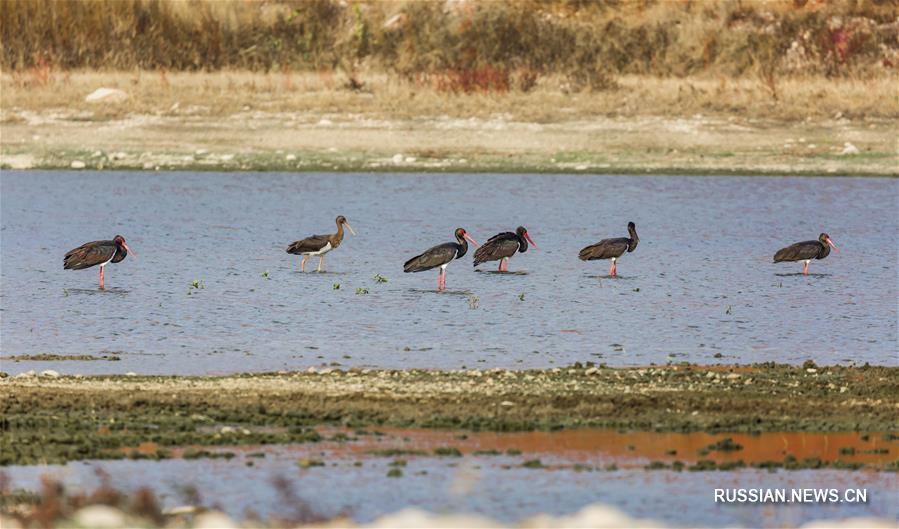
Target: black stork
319 244
502 246
440 255
612 248
806 251
97 253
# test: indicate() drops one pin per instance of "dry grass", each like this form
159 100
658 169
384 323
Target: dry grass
386 96
588 41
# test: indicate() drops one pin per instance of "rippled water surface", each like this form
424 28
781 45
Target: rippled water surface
700 287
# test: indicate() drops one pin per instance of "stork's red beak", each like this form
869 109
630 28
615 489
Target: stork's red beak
528 237
129 250
471 240
832 245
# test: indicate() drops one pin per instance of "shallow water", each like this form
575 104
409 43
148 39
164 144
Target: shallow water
700 283
354 481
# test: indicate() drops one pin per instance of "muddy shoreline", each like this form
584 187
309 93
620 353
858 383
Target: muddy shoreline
61 418
316 142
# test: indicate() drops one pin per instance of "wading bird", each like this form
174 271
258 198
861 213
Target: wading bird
806 251
612 248
319 244
440 255
97 253
502 246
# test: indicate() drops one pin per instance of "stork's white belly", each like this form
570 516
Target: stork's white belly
325 249
114 252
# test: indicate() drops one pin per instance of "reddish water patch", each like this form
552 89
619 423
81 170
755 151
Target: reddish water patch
585 444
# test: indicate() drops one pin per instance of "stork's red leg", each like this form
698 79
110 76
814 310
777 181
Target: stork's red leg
303 263
805 270
101 277
500 267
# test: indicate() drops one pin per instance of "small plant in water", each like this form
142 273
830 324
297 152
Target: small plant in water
728 310
196 284
265 275
65 292
473 301
335 286
521 297
361 290
379 278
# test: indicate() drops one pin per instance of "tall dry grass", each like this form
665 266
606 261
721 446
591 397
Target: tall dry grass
465 45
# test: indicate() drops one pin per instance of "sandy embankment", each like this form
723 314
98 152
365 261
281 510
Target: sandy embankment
240 121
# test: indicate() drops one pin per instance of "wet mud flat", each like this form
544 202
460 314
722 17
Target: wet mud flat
54 419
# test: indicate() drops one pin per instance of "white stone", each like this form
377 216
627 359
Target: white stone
50 373
507 403
77 164
100 517
130 374
398 158
17 161
413 518
849 149
410 159
596 516
226 430
325 122
395 21
26 374
290 157
113 95
591 371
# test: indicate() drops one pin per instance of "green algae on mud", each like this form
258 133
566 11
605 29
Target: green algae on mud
68 418
637 162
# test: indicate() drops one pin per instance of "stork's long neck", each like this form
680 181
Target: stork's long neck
632 243
463 247
824 251
339 234
522 243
